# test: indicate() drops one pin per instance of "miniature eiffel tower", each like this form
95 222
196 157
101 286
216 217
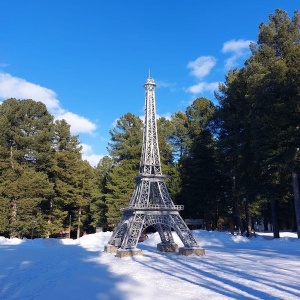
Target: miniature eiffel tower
151 204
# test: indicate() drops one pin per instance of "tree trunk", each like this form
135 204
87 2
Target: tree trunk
296 199
13 218
49 219
237 212
238 219
11 155
274 218
79 222
240 222
248 219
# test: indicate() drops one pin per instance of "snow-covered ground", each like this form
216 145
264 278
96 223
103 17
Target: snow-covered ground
234 267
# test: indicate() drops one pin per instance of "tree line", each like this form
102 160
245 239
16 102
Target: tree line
231 164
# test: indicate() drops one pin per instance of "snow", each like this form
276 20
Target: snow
234 267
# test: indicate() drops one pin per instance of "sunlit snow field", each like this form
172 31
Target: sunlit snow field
234 267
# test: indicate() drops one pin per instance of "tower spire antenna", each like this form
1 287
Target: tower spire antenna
149 73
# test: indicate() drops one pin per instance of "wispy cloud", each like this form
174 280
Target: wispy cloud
165 84
115 122
203 86
3 65
87 154
202 66
237 49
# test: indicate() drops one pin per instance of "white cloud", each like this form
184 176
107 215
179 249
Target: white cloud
201 66
165 84
78 124
93 159
237 49
14 87
166 115
86 149
115 123
203 87
87 154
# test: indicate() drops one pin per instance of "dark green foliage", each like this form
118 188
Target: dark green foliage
179 138
119 186
43 180
126 139
164 131
125 150
198 166
26 193
27 133
259 115
98 207
167 150
26 158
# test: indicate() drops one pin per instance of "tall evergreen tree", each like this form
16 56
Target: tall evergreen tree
180 138
26 157
87 193
236 142
125 150
98 206
264 95
65 207
167 150
276 61
198 166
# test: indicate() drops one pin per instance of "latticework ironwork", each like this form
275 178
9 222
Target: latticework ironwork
151 204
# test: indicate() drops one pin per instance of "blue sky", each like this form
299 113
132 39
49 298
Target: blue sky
88 60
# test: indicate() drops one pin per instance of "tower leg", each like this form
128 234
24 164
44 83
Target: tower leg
166 237
165 233
124 239
190 244
183 231
133 232
119 232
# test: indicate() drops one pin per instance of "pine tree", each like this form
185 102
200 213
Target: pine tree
170 168
198 170
276 61
119 186
259 108
98 207
26 155
62 208
125 150
180 139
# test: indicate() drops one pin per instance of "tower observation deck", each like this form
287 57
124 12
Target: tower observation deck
151 204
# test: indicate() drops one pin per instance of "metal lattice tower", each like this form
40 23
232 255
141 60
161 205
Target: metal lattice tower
151 204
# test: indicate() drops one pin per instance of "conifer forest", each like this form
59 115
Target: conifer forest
233 162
